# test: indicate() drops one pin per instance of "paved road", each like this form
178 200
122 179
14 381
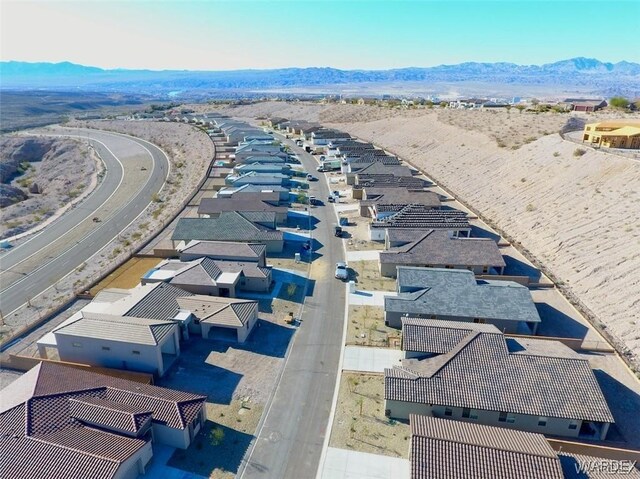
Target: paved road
37 264
290 442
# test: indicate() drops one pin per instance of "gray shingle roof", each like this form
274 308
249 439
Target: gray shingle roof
225 249
442 448
456 293
229 226
379 168
210 206
159 303
480 373
421 217
437 247
400 196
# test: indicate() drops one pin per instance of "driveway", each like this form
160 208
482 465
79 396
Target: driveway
369 298
346 464
365 255
370 360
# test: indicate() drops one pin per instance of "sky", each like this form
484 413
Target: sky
356 34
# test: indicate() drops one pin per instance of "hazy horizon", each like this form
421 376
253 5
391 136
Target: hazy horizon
352 35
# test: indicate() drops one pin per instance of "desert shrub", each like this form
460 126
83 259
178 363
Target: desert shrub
579 152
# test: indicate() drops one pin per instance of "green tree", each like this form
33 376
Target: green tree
619 102
443 104
216 436
520 108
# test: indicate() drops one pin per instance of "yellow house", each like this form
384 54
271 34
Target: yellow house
613 134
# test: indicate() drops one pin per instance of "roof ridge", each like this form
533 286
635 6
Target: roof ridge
508 446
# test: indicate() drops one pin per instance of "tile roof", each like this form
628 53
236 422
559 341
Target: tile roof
421 217
400 196
390 181
229 226
220 311
437 247
110 327
571 464
159 303
447 449
44 435
248 203
456 293
480 372
436 335
379 168
225 249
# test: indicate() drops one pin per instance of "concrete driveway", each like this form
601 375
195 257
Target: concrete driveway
365 255
369 298
346 464
371 360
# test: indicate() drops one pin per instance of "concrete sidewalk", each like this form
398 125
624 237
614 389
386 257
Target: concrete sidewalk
369 298
346 464
371 360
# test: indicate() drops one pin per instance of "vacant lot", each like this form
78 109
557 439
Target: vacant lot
367 277
360 423
366 328
126 276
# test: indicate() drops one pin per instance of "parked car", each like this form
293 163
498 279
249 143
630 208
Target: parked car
320 169
341 271
337 231
313 200
331 199
336 193
311 178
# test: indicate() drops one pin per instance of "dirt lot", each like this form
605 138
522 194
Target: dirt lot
360 423
369 320
126 276
367 277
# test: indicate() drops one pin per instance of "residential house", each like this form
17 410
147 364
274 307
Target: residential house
107 340
379 203
325 136
584 104
473 375
208 276
357 161
63 422
251 203
267 192
221 318
439 249
268 167
241 154
262 179
458 450
456 295
613 134
229 226
386 181
275 121
418 217
378 168
261 159
225 251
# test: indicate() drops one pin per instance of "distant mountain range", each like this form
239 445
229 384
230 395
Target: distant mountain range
597 77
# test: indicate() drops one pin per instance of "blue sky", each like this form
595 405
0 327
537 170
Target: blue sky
224 35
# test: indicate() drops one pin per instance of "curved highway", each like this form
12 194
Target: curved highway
135 170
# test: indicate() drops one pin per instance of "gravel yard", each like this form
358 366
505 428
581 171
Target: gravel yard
360 423
367 277
366 328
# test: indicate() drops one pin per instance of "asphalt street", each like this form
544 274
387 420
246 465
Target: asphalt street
37 264
289 444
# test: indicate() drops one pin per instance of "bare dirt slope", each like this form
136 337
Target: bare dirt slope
62 168
578 215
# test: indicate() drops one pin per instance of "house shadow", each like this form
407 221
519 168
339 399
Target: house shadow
478 232
557 324
515 267
193 373
311 285
352 275
624 404
302 222
267 339
216 447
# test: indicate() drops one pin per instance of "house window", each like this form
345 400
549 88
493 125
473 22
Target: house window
573 424
469 413
478 320
135 352
448 266
503 416
485 269
542 421
76 345
106 348
506 417
448 411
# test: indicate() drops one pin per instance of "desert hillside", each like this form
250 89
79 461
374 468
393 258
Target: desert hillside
579 216
35 180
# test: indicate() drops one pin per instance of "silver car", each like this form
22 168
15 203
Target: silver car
341 271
